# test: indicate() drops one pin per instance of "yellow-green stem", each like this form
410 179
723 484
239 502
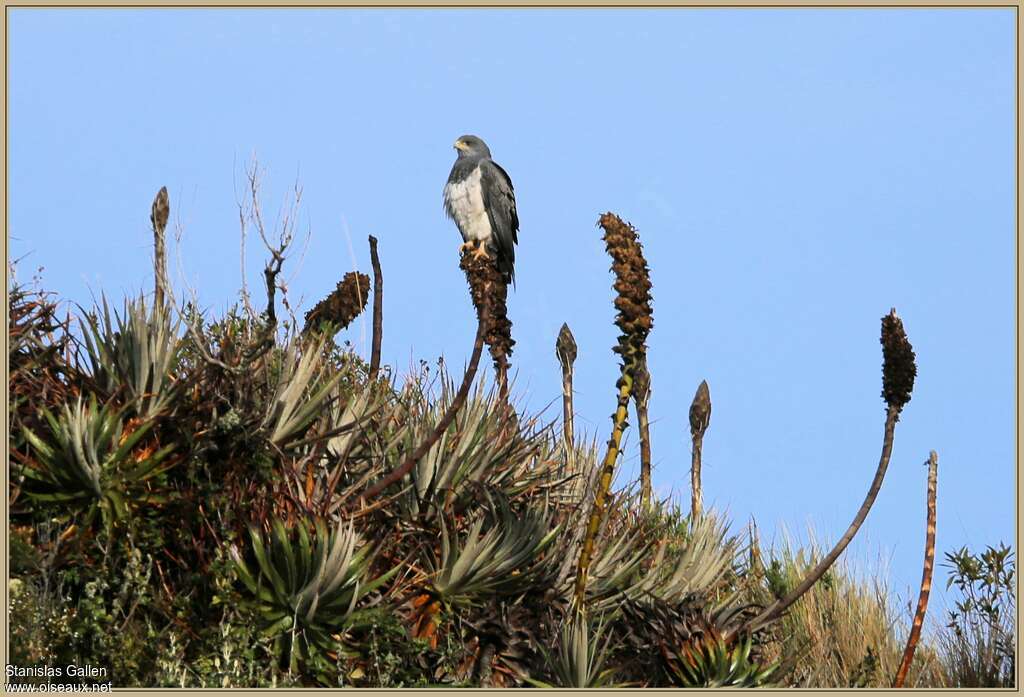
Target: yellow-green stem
604 484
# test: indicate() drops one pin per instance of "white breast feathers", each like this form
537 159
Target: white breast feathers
466 203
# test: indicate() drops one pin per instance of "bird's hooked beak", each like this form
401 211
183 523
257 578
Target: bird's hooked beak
460 145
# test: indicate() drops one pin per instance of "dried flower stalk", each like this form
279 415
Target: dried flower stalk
342 305
488 288
700 418
634 319
898 373
565 349
378 308
158 217
926 576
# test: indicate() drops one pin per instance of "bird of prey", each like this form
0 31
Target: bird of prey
480 199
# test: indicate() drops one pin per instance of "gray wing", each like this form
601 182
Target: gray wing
500 204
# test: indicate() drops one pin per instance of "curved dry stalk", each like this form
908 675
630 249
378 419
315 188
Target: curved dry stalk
446 420
776 609
378 308
898 373
926 577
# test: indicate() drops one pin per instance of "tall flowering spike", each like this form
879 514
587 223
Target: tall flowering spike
632 284
487 283
898 373
634 319
343 305
898 367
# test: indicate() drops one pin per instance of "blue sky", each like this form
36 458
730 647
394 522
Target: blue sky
793 175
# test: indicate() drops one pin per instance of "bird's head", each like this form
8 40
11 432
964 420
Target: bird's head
471 146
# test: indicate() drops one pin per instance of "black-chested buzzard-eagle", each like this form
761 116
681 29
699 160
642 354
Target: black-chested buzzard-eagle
480 199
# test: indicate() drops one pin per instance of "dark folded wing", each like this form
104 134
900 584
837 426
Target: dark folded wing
500 203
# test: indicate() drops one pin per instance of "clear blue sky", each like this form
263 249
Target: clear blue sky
793 175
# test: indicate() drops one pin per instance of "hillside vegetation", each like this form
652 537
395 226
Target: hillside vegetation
240 501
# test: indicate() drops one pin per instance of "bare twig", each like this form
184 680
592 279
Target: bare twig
278 251
926 576
378 308
270 272
191 321
243 215
700 417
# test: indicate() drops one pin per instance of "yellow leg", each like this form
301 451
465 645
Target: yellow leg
481 250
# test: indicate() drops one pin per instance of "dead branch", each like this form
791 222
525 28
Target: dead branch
378 308
926 575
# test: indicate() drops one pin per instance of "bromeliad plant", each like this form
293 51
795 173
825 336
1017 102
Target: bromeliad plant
503 537
306 588
479 566
483 446
502 561
712 661
581 658
90 464
302 391
135 351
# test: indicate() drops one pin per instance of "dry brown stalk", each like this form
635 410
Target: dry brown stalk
488 289
898 373
634 319
700 418
641 399
565 349
378 308
342 305
926 576
158 217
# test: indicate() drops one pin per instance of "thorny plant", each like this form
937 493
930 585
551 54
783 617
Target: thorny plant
280 498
